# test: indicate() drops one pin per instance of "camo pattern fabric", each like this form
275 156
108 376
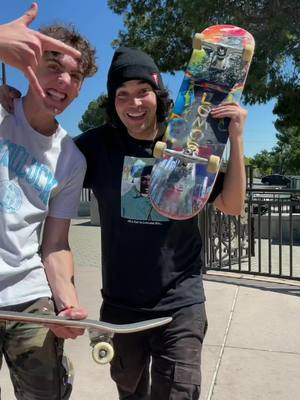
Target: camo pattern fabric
34 356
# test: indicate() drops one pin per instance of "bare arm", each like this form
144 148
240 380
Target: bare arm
231 199
58 262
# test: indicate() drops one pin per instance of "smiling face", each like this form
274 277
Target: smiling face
61 78
136 106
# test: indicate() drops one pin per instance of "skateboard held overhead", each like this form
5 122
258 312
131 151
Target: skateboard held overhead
100 332
189 157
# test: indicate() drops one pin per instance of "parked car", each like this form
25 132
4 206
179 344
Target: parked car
259 209
276 179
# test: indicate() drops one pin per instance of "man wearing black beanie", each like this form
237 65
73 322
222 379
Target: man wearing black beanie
151 265
129 64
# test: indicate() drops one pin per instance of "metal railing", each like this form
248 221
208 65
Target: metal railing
3 74
85 196
264 241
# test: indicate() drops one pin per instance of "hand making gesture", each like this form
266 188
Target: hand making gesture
22 47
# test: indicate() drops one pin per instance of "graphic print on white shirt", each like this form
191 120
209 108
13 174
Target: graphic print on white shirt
18 161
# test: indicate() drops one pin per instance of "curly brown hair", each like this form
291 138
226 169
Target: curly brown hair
70 36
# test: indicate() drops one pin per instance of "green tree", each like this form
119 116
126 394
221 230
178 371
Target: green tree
287 107
284 158
264 161
248 161
287 150
95 115
163 28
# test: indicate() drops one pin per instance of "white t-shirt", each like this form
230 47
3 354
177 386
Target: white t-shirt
40 176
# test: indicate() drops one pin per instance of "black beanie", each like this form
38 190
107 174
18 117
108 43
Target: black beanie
132 64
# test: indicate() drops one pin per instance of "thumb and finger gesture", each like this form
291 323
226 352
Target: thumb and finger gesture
22 47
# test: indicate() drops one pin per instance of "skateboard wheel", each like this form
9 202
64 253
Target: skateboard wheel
197 41
213 164
248 53
159 148
102 353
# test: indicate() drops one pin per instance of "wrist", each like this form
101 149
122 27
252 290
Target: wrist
236 139
236 145
64 308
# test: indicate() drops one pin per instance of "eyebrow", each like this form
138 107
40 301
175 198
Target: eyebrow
54 56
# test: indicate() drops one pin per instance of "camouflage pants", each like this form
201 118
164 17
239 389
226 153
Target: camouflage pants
34 356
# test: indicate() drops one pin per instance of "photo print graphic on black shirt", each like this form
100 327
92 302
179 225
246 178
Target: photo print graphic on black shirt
135 204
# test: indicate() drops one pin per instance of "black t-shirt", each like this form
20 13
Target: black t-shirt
148 261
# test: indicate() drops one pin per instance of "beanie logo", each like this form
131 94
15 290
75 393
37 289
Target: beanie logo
155 78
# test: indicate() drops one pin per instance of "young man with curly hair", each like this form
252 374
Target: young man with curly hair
41 174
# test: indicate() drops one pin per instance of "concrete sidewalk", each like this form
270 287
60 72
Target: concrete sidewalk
251 351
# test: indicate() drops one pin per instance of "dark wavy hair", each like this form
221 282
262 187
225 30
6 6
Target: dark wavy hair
163 107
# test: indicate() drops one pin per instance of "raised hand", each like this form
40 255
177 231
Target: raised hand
237 115
22 47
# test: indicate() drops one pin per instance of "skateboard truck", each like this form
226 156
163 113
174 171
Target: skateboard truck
199 40
212 161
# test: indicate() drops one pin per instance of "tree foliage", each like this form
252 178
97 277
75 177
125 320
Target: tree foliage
264 162
163 28
95 115
288 150
284 158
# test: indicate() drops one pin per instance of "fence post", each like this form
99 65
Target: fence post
203 232
3 74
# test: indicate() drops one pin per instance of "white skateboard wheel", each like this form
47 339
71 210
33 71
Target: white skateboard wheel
159 148
248 53
102 353
197 41
213 164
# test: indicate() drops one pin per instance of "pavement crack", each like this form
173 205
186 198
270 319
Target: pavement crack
214 379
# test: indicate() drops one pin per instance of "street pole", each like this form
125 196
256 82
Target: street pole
3 74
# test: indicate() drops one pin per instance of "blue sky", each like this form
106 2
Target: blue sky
97 23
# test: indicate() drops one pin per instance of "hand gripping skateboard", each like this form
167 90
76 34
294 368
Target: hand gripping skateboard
189 157
100 332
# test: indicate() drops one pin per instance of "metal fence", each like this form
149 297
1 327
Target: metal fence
264 241
85 196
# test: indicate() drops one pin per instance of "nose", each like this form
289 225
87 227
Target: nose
64 79
136 101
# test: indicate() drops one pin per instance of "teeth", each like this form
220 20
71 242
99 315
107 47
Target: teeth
136 115
56 95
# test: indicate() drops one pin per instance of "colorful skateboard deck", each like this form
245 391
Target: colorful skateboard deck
100 332
190 154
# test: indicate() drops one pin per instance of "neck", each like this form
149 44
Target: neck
143 135
150 134
38 119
